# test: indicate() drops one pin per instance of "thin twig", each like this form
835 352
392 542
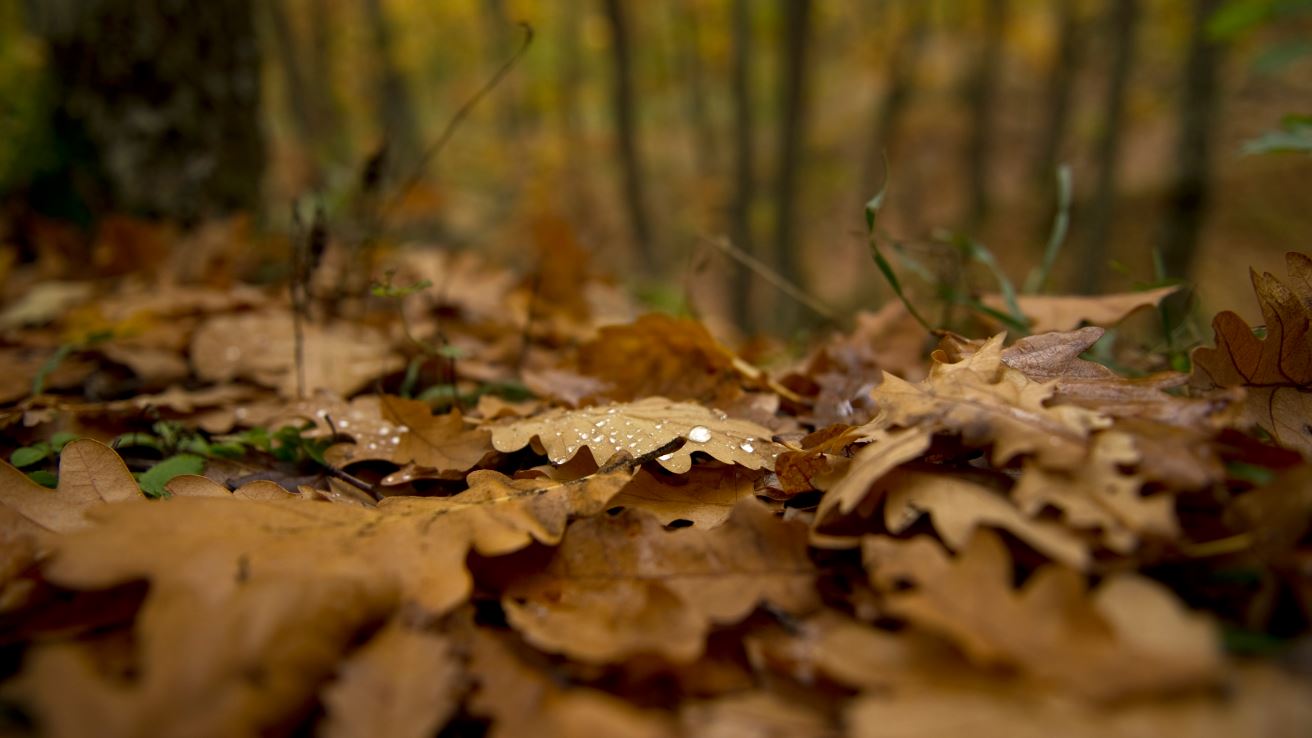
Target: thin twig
775 279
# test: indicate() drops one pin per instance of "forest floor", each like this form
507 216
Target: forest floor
458 499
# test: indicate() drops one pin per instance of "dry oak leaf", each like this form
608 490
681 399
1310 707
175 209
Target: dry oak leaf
623 585
1056 357
887 450
958 506
90 474
1101 496
664 356
1068 312
403 683
1259 702
277 589
640 428
755 714
988 402
704 496
1130 637
260 347
521 700
1276 370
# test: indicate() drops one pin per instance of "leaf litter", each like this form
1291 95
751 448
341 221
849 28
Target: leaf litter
1011 539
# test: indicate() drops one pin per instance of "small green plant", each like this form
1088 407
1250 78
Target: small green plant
39 454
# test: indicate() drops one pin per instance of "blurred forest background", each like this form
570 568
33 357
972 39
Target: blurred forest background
659 137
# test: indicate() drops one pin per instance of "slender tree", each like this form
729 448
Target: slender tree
744 175
1121 28
688 49
903 65
981 95
396 110
1190 191
622 104
296 87
792 133
1056 117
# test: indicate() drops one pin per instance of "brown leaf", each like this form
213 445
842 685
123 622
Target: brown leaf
1276 370
757 714
620 586
404 682
442 443
1259 703
887 449
958 506
660 355
640 428
988 402
259 346
524 701
703 496
1129 637
1101 496
1068 312
90 474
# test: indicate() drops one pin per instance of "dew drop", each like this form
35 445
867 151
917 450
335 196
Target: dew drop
396 439
611 411
596 439
403 428
699 434
599 423
747 446
665 457
343 423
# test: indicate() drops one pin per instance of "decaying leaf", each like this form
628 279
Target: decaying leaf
640 428
1128 637
259 346
90 475
886 450
988 402
1068 312
620 586
523 701
701 496
1101 495
404 682
759 713
1276 370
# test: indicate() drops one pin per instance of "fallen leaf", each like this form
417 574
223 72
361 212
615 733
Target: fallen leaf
660 355
1101 496
1068 312
621 586
1129 637
989 403
887 449
90 474
1275 370
403 682
260 347
521 701
754 714
958 507
640 428
702 496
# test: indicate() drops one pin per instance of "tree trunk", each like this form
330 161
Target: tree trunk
1190 191
792 132
1121 28
688 47
622 103
982 96
744 175
396 110
295 81
165 96
902 67
1056 121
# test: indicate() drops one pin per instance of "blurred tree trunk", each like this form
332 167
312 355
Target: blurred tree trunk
324 103
396 110
1061 81
981 96
744 175
903 65
569 76
688 45
296 86
500 46
622 102
165 96
1121 28
792 133
1191 188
